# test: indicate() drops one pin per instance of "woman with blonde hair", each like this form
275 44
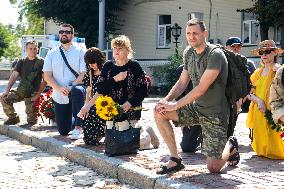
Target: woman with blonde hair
266 142
123 79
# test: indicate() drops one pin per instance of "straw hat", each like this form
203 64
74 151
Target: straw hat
265 45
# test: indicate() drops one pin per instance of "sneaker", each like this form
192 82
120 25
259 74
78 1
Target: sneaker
12 121
76 134
154 139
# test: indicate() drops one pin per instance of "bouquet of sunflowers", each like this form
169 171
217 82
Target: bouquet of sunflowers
44 106
107 109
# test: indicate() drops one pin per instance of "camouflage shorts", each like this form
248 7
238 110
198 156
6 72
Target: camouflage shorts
214 129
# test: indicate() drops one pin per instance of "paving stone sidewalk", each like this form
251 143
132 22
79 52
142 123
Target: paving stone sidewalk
24 166
139 170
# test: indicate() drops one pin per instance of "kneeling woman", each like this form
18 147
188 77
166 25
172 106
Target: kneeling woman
124 81
93 125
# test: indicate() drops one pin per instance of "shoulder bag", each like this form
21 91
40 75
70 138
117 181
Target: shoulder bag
67 64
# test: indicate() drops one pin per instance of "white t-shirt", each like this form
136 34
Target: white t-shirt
54 63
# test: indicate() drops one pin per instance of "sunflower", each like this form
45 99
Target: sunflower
106 108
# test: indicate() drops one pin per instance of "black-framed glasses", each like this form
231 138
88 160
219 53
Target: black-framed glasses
268 51
65 31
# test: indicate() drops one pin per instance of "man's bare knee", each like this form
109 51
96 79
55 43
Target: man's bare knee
214 165
213 168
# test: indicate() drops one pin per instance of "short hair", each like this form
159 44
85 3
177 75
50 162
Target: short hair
196 21
68 26
123 41
32 42
95 56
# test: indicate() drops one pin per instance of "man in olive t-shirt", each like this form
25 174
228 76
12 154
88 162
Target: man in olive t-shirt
29 89
206 104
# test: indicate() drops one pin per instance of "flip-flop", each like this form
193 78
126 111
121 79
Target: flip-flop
164 169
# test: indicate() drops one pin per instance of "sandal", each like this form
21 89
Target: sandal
164 169
234 159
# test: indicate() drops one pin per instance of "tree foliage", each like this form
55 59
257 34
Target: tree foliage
167 74
268 13
9 47
29 23
83 14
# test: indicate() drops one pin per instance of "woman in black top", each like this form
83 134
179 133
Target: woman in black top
124 80
93 126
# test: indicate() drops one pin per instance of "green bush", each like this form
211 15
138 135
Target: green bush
166 75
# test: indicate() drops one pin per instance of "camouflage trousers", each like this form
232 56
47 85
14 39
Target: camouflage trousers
214 129
14 97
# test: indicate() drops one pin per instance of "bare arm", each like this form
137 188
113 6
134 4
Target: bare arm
260 103
40 90
79 79
208 77
84 112
179 86
11 82
48 77
88 93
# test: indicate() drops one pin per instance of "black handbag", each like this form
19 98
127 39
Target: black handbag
122 142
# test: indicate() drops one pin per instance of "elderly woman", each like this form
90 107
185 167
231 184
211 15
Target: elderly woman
93 126
123 79
265 141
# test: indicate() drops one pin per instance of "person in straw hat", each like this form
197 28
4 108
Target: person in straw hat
266 142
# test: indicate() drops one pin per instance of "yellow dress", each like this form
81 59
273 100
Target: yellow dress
266 142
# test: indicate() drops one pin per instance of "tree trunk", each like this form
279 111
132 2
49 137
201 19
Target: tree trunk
263 31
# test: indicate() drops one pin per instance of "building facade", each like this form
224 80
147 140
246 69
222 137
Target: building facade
148 24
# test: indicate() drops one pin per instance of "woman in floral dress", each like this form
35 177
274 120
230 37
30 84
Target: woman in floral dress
93 126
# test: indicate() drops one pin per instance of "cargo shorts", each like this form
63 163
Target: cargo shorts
214 129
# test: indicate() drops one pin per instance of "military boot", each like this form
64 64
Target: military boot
12 121
32 122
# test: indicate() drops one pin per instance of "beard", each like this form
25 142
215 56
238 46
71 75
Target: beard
65 40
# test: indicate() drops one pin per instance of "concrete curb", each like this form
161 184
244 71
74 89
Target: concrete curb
124 171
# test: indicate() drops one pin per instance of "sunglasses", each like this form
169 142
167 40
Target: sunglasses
65 31
262 52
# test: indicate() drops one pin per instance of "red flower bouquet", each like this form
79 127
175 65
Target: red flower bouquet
44 106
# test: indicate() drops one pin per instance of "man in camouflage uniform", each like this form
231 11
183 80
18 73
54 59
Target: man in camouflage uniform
277 96
30 71
206 104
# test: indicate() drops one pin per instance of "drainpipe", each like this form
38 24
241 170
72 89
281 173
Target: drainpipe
101 24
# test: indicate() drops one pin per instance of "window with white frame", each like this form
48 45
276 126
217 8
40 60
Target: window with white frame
164 31
198 15
251 32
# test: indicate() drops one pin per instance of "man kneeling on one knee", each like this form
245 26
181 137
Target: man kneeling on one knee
205 105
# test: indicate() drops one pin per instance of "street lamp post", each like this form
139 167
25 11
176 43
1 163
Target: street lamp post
101 24
176 32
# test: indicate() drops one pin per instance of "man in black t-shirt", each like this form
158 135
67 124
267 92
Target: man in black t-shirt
29 89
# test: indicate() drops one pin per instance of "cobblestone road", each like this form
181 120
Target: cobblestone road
26 167
252 172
